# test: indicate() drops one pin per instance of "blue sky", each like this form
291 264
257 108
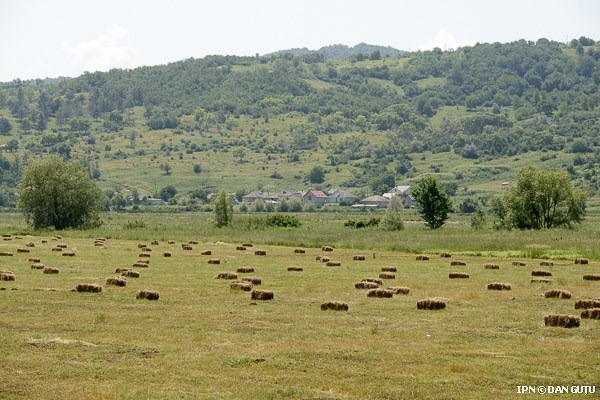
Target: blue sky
50 38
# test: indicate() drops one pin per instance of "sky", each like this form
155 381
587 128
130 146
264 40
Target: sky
52 38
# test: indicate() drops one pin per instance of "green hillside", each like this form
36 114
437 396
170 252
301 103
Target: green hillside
473 116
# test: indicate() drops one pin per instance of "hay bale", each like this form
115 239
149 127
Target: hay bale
206 253
6 254
119 270
359 258
591 313
380 293
154 243
226 275
244 286
323 259
366 285
23 251
558 293
491 266
143 255
591 277
540 272
167 254
245 270
57 249
458 275
445 255
431 304
260 253
333 264
326 248
247 245
581 261
387 275
88 287
186 247
421 257
240 248
62 246
262 295
299 251
297 269
38 266
334 305
49 270
562 320
147 294
546 264
44 241
399 289
130 273
99 244
388 269
519 264
215 261
193 242
68 254
171 242
252 279
147 262
374 280
540 280
590 303
6 235
116 281
498 286
140 265
457 263
30 244
33 259
142 246
7 276
146 249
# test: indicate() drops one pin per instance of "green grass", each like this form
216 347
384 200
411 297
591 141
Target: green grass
202 340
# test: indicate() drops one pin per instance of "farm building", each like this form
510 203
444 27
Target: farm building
314 196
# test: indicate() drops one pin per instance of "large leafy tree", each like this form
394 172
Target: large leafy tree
57 194
434 203
223 210
543 199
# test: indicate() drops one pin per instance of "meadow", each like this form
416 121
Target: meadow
203 340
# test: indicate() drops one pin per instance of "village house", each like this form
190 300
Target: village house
314 196
373 202
340 197
403 192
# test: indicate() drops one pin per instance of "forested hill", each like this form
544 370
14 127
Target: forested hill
364 118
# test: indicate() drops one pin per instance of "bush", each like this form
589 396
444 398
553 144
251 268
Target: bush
280 220
366 223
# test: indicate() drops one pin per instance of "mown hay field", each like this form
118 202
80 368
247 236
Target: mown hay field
204 340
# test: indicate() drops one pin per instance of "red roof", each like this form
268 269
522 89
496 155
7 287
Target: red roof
317 193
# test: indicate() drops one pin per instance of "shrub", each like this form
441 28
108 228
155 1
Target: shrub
280 220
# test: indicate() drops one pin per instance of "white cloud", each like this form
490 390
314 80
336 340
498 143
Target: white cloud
445 41
112 49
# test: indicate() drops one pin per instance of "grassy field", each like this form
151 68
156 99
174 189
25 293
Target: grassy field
203 340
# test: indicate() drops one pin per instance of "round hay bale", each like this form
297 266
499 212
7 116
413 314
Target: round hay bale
247 245
7 276
6 254
148 295
581 261
296 269
260 253
388 269
326 248
167 254
116 281
49 270
421 257
359 258
540 272
245 270
591 313
590 303
431 304
558 293
68 254
546 264
130 273
33 259
154 243
144 255
333 264
214 261
226 275
458 275
387 275
334 305
399 289
457 263
23 251
244 286
38 266
299 251
541 280
366 285
591 277
252 279
491 266
519 264
380 293
498 286
262 295
88 287
206 253
562 320
240 248
445 255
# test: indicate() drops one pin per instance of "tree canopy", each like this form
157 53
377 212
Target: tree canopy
434 203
